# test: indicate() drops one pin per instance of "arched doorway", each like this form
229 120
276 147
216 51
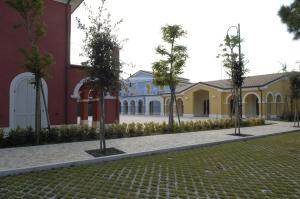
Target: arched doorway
201 103
22 102
180 107
140 107
251 105
132 107
125 107
269 106
154 108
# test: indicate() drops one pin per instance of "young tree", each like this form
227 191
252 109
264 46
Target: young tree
290 16
103 67
35 61
235 68
295 94
167 70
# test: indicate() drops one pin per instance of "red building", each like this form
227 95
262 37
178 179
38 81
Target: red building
64 88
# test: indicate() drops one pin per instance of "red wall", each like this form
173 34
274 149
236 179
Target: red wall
75 74
56 41
11 39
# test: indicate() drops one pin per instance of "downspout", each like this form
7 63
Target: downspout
261 104
68 25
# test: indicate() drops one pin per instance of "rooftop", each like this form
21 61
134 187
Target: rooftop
249 82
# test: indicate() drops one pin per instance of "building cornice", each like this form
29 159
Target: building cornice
73 3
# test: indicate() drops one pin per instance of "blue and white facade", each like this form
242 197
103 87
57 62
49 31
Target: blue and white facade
139 96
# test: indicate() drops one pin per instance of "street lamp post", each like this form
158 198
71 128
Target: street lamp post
238 29
238 113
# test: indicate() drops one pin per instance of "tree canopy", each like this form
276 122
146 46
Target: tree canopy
167 70
100 47
290 16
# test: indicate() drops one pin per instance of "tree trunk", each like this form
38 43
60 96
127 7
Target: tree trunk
236 111
296 116
37 109
171 117
101 118
240 109
177 109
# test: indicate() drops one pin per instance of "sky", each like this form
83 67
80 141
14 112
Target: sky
267 44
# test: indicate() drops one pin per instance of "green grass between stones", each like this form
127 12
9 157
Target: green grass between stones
261 168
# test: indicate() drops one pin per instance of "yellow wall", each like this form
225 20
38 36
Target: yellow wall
214 99
219 107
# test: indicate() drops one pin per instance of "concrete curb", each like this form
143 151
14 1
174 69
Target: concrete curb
129 155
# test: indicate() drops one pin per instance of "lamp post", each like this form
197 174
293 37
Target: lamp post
238 29
238 113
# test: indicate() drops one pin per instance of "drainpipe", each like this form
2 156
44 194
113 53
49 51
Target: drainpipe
261 107
68 25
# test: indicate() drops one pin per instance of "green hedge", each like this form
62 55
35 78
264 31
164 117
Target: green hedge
24 137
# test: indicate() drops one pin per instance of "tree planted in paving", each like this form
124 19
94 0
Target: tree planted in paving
102 66
167 70
235 68
35 61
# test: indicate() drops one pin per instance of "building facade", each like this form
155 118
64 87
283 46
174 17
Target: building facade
266 96
139 96
65 90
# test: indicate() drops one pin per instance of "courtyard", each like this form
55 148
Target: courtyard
261 168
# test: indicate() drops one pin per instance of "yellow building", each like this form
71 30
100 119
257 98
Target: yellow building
266 96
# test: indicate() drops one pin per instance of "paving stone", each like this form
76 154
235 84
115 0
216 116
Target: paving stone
21 157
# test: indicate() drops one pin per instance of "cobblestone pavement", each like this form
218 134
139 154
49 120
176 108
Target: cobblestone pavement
21 157
260 168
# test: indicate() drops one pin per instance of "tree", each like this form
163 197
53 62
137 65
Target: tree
235 68
283 66
290 16
102 66
35 61
166 71
294 78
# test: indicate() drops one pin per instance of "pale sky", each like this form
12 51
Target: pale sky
267 42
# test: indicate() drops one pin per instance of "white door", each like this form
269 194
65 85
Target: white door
24 104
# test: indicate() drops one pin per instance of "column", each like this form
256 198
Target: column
96 121
84 107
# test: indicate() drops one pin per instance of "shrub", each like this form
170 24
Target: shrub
122 130
53 135
164 128
188 126
148 128
131 129
139 129
20 137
